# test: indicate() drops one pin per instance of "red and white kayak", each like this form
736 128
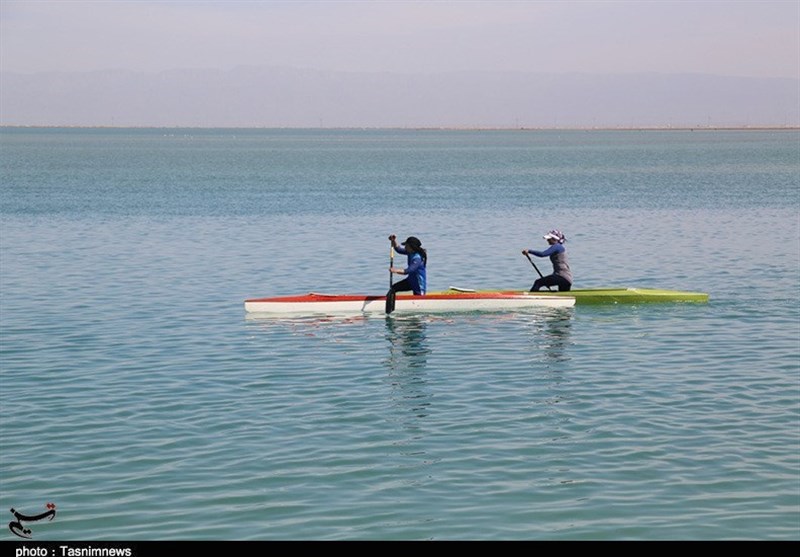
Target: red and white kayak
435 302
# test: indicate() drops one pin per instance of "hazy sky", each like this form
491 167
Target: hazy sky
758 38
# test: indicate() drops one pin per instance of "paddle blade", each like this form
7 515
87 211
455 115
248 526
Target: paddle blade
390 301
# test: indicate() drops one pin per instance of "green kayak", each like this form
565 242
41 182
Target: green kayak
585 296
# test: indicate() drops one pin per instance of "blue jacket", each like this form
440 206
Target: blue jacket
417 276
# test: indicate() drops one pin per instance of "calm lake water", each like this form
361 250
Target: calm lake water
137 396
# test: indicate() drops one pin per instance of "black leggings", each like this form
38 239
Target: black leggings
552 280
403 286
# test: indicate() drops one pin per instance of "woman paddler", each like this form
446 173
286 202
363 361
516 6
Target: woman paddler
562 275
416 276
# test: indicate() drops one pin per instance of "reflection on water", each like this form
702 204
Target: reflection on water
408 342
303 320
550 336
407 362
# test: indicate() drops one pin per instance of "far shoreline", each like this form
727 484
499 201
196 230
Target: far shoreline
413 128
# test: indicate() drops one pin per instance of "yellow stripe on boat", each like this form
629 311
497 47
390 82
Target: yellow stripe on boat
616 295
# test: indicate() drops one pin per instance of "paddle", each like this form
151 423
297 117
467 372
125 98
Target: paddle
390 295
391 264
537 268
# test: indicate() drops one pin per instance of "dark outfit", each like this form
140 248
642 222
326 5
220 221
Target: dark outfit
417 275
562 276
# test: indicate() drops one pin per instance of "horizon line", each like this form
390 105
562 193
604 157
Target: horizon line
787 127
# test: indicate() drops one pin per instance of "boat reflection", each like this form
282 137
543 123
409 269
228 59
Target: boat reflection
408 342
407 362
321 319
551 336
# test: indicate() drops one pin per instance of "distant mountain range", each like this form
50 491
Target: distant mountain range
291 97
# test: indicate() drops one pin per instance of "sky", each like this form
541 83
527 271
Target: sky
749 38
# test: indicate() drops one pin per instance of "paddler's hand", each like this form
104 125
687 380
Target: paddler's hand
524 252
397 271
392 238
